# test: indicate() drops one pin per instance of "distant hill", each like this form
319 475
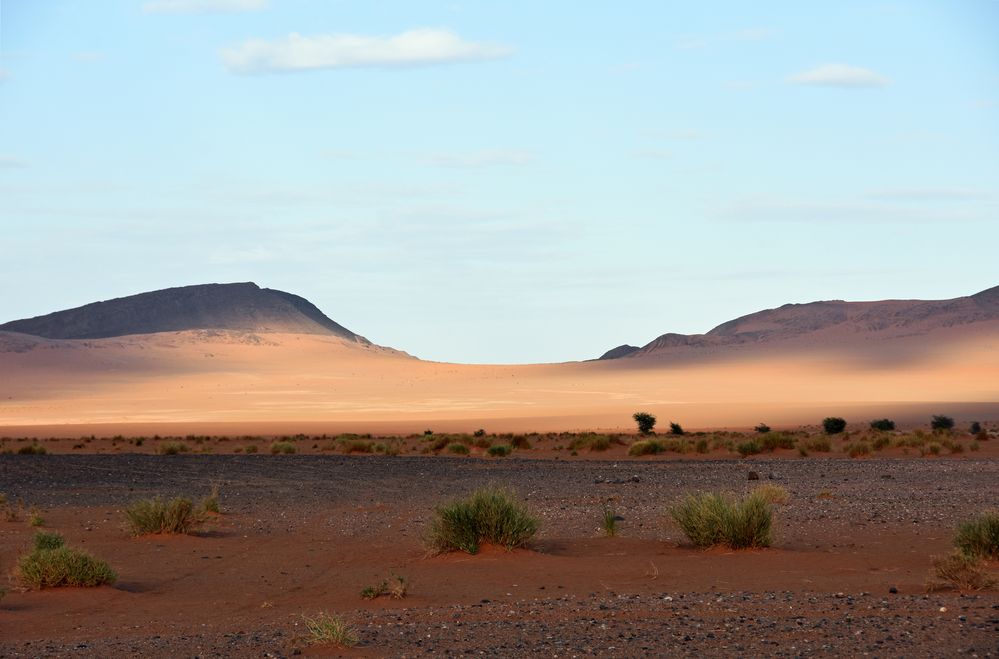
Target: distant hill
833 321
242 307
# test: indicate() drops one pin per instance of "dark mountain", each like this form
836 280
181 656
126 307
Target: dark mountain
242 307
620 351
833 321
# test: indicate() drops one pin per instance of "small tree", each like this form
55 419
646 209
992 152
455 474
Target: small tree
762 428
975 428
675 428
646 422
883 424
941 422
833 425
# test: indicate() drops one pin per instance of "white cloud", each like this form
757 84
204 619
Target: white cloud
334 51
837 212
927 194
839 75
10 162
509 158
202 6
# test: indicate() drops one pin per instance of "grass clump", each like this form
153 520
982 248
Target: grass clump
857 449
500 450
395 587
979 536
286 448
173 448
488 515
32 449
772 441
328 628
819 445
609 521
752 447
148 516
710 519
772 493
591 442
961 571
457 448
52 564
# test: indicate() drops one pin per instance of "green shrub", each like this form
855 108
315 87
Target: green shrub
883 425
356 446
281 447
62 566
752 447
772 441
32 449
487 515
646 422
709 519
979 536
833 425
48 540
592 442
646 447
172 448
500 450
457 448
609 521
941 422
326 628
155 515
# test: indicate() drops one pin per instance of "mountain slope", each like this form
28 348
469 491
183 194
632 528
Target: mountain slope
242 307
833 321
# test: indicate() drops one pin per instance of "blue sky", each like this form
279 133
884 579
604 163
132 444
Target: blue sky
500 182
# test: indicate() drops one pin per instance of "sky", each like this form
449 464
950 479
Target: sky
500 182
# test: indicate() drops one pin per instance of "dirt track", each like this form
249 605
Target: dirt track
304 533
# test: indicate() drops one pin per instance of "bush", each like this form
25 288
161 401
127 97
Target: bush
326 628
520 441
646 447
762 428
772 441
609 521
646 422
32 449
701 446
752 447
457 448
710 519
591 442
282 447
883 425
819 445
487 515
974 428
675 428
48 540
172 448
979 536
62 566
499 451
857 449
959 570
480 432
394 587
833 424
772 493
155 515
941 422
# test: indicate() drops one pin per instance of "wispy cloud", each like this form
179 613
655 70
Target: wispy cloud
480 159
855 212
839 75
927 194
335 51
10 162
202 6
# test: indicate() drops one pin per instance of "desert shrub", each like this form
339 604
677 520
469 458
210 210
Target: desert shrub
974 428
675 429
961 571
772 493
819 445
934 448
609 521
979 536
156 515
646 447
883 425
881 442
480 432
428 432
281 447
499 451
210 504
61 566
520 441
32 449
356 446
457 448
327 628
857 449
954 447
646 422
941 422
710 519
251 448
172 448
702 445
772 441
48 540
591 442
395 587
483 442
762 428
36 519
833 425
487 515
752 447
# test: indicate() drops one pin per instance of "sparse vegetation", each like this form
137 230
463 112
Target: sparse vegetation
833 425
646 422
772 493
752 447
172 448
457 448
819 445
979 536
32 449
884 425
395 587
710 519
857 449
210 504
499 450
609 521
592 442
328 628
148 516
52 564
961 571
489 515
286 448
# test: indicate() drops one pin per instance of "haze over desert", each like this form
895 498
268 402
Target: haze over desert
552 329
